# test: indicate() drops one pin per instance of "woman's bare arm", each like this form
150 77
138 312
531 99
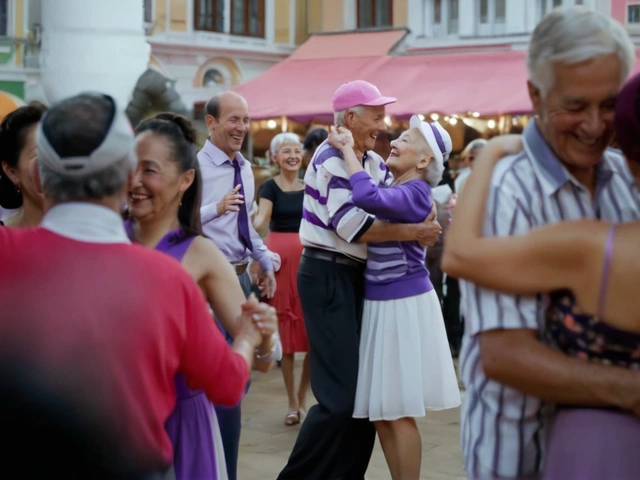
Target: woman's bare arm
219 284
263 217
547 258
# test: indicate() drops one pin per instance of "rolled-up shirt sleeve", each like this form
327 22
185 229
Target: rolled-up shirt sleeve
260 253
209 212
508 213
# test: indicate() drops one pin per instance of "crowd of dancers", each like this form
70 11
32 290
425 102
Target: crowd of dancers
122 362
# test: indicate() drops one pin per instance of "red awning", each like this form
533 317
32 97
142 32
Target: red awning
302 89
487 83
301 86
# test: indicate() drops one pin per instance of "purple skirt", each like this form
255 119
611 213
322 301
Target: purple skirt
593 444
193 430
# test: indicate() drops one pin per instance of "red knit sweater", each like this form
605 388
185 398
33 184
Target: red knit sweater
110 325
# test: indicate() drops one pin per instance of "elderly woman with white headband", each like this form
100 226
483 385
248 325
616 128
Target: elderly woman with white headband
405 363
280 206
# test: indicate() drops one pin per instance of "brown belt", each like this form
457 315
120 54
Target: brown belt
240 267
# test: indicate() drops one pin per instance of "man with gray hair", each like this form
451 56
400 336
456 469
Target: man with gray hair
332 445
109 324
578 60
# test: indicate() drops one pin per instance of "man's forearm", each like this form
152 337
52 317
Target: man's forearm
208 212
521 361
381 231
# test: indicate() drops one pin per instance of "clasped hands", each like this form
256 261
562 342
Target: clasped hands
258 322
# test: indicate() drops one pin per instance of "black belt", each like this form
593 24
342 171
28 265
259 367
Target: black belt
327 256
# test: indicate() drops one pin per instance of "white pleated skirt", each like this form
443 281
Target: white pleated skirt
405 363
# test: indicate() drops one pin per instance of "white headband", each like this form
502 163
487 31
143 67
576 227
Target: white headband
119 143
437 137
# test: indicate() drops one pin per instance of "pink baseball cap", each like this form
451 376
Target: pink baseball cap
358 92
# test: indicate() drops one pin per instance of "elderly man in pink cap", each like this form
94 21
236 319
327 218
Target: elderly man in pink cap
331 444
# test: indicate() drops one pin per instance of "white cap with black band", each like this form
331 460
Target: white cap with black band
119 143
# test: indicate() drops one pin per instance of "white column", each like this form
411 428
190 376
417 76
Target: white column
532 9
467 13
98 46
292 22
349 11
516 17
270 21
417 18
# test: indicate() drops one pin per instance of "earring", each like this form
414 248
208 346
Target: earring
18 188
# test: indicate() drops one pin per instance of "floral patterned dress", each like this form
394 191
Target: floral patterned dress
592 443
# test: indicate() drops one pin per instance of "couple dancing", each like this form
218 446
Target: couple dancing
363 265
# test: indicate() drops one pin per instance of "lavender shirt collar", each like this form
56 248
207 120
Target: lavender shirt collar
218 157
552 173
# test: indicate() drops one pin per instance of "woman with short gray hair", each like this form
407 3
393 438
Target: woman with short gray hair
280 206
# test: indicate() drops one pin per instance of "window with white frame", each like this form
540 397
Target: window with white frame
633 14
492 17
209 15
444 17
4 18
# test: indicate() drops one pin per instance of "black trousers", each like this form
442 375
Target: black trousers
452 318
331 444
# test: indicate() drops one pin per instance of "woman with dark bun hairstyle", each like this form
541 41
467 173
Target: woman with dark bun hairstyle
164 203
17 153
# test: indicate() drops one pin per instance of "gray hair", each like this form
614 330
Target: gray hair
95 186
574 35
338 117
434 172
435 169
282 139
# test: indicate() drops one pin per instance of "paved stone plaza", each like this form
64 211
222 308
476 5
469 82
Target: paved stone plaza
266 442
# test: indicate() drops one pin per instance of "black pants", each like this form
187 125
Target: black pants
331 444
452 319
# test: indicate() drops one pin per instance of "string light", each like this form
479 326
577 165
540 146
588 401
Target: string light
491 124
435 117
272 124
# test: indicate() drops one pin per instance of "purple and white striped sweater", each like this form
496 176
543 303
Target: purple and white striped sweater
330 219
394 269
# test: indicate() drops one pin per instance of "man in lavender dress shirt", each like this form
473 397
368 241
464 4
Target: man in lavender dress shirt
227 189
226 197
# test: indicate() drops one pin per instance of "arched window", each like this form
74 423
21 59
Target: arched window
212 77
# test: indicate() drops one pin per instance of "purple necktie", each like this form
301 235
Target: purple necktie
243 218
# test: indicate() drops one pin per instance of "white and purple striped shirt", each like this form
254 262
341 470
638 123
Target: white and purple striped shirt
330 219
502 430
